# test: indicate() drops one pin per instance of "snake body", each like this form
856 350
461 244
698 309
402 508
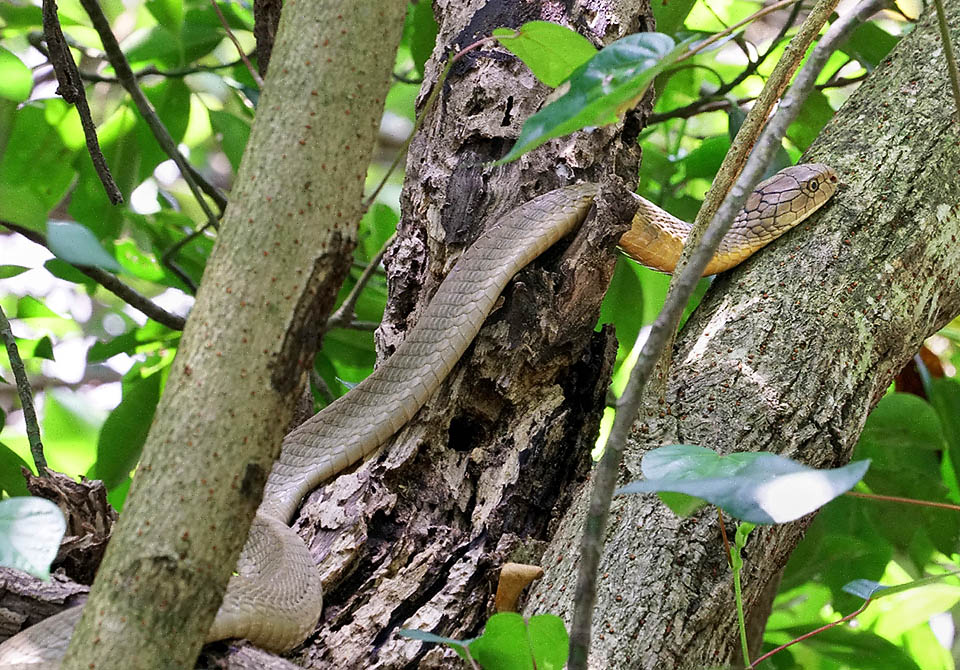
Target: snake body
275 599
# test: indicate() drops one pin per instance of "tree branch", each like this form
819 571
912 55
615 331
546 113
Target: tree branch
71 90
108 281
26 395
129 82
719 209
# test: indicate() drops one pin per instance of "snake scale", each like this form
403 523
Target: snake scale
275 599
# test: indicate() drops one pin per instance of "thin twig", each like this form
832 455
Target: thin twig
233 38
167 259
690 110
807 636
838 33
948 52
710 104
160 132
71 89
111 283
682 284
344 317
905 501
153 71
713 39
26 395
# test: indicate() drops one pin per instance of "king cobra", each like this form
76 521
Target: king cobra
275 599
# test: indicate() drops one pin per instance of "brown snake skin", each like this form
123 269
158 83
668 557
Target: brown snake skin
275 600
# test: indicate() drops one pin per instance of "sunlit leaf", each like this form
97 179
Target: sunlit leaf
759 487
600 90
16 80
30 533
76 244
551 51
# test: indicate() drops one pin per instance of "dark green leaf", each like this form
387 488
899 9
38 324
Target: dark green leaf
704 161
75 244
63 270
30 533
7 271
869 44
844 648
43 349
420 32
670 14
125 430
11 475
944 394
758 487
814 114
601 90
551 51
904 421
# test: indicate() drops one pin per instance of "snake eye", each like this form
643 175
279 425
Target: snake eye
813 184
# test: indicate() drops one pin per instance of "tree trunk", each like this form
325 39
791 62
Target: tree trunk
282 252
415 537
787 354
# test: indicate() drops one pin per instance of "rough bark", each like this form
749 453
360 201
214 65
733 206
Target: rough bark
282 252
415 538
787 354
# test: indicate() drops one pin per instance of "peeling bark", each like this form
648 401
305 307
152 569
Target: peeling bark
416 537
787 354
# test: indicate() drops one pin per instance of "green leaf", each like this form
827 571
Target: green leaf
944 394
43 349
600 90
30 534
168 13
11 476
904 421
759 487
670 14
551 51
63 270
867 588
234 133
840 647
125 430
76 244
869 44
510 642
814 114
704 161
16 80
7 271
29 307
36 167
420 32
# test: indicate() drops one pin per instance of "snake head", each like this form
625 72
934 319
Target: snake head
816 181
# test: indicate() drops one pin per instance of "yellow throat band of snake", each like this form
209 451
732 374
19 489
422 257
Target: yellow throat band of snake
275 600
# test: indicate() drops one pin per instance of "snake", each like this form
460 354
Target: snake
274 599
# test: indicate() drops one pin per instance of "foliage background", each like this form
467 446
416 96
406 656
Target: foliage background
99 366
